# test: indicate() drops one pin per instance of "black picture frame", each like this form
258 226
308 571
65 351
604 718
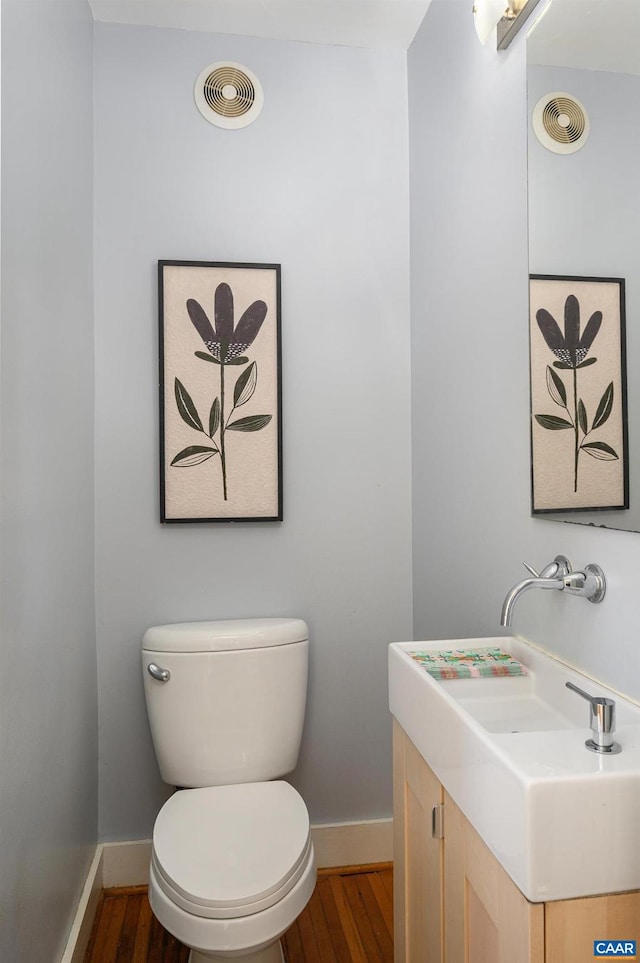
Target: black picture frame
219 350
579 423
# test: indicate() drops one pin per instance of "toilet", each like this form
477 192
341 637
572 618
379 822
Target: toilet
232 862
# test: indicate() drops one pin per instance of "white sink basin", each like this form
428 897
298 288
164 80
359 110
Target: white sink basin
563 821
500 709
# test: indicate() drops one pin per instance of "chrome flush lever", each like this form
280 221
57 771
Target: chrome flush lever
602 718
162 675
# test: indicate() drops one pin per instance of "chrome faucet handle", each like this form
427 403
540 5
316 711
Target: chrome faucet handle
602 719
559 568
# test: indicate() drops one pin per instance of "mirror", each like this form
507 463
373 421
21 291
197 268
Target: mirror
584 202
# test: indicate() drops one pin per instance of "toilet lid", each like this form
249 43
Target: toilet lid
229 851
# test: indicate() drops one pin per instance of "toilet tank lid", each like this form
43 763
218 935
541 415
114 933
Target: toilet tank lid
225 635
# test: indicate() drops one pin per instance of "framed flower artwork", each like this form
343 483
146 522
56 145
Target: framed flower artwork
578 394
220 392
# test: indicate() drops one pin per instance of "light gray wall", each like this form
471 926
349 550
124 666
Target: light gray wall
469 311
468 123
319 183
48 697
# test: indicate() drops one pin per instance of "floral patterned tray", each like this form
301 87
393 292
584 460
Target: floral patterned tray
468 663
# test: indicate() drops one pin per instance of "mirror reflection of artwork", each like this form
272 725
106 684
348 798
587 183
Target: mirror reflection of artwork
578 394
584 207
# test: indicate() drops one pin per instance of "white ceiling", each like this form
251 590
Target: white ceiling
386 24
588 34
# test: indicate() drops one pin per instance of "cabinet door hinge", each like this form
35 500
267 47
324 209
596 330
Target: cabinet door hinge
437 821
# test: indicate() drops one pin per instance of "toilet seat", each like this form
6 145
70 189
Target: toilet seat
245 935
226 852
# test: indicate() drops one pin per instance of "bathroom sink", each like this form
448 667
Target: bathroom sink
563 821
505 711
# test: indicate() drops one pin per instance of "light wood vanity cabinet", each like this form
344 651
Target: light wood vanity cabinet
418 857
453 902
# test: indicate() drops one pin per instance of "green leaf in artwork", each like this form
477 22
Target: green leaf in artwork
214 417
206 357
186 407
193 455
604 406
556 388
598 449
251 423
562 365
585 364
582 416
241 360
552 422
245 385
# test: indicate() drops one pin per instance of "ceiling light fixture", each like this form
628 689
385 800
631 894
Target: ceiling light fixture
486 14
507 16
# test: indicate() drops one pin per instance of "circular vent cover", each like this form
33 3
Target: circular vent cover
228 95
561 123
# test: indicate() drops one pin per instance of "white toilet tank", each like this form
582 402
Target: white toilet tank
232 708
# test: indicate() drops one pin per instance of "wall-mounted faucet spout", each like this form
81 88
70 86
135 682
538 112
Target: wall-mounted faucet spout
558 575
551 577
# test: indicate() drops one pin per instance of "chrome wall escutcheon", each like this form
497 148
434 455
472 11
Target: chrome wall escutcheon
596 581
156 672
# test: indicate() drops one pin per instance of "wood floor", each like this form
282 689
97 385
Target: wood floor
349 919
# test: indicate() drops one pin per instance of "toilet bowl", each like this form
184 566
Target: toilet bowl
231 869
232 862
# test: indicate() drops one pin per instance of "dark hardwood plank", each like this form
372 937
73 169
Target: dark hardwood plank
95 929
366 932
375 916
155 951
324 943
334 923
292 945
128 932
349 919
386 875
347 922
105 946
384 897
143 934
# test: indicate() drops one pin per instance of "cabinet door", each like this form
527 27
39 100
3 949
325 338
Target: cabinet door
417 871
486 917
572 926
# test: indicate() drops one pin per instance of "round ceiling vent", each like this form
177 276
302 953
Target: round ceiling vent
561 123
228 95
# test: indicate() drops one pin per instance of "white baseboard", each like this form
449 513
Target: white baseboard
80 934
127 864
353 844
